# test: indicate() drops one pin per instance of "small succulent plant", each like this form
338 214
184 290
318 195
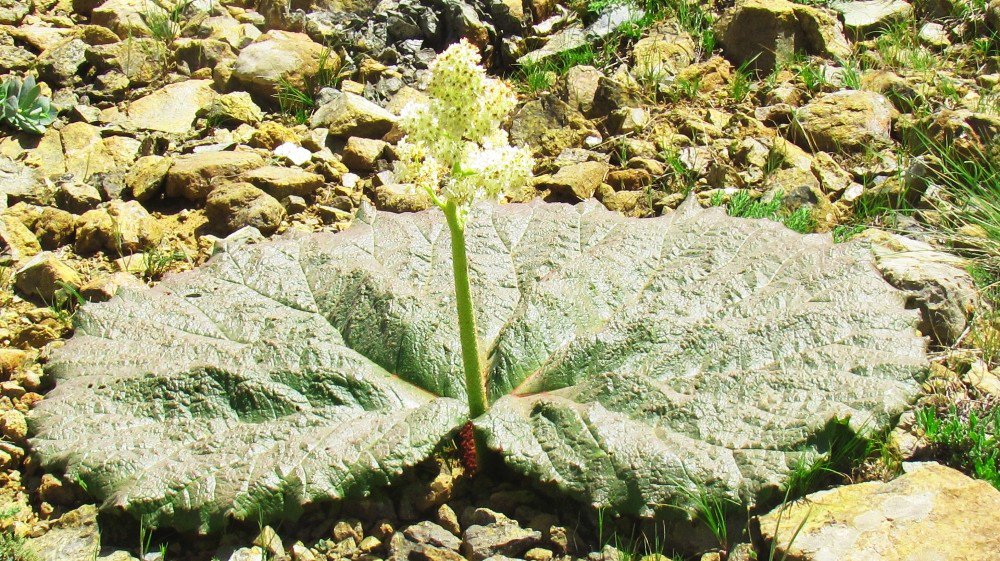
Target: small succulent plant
23 106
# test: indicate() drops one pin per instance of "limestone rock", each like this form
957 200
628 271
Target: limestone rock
664 52
146 177
396 197
16 239
293 153
581 87
20 182
123 17
360 154
16 59
934 35
60 64
575 182
847 120
270 541
120 228
13 425
232 206
77 198
278 56
549 125
281 182
249 554
349 115
55 228
75 536
504 537
767 32
13 11
236 107
936 283
205 55
139 59
270 135
864 18
427 532
172 108
80 149
193 176
104 288
930 512
43 275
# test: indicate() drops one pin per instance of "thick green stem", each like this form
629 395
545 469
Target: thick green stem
474 384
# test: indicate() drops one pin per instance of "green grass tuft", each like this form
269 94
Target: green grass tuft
743 205
968 440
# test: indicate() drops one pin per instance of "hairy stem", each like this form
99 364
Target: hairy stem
474 383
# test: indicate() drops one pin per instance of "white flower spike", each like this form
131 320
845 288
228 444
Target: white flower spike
454 147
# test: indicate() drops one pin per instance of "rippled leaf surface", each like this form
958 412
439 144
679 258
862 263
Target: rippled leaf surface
630 362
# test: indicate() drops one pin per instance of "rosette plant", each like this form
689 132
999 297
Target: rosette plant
633 364
23 106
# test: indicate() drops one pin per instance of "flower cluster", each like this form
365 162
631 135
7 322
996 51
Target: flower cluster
454 147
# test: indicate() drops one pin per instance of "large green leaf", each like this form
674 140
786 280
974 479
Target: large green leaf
631 361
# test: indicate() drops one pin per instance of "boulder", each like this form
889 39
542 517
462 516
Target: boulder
193 176
232 206
293 153
847 120
120 228
43 275
172 108
278 57
930 512
574 182
935 282
349 115
866 18
281 182
766 32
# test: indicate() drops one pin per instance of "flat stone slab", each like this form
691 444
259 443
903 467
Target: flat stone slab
931 513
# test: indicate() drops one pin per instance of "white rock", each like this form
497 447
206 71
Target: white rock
293 153
350 180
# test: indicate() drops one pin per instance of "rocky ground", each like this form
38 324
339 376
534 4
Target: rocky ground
181 124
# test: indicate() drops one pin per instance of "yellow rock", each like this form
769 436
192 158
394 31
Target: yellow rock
932 512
